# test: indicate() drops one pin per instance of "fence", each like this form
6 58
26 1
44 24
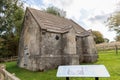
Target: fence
7 59
5 75
107 47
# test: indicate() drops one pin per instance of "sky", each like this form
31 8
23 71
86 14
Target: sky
90 14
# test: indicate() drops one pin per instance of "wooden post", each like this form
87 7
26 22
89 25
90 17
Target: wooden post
116 49
67 78
96 78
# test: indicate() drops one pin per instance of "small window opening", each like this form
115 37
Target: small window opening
57 37
27 53
76 39
25 64
43 32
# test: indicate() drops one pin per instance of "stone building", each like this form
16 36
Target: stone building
48 41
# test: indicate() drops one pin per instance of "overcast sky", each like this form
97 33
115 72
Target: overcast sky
90 14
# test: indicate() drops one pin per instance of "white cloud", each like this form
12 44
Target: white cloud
90 14
104 30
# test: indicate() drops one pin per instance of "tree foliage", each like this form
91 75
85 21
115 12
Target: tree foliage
113 22
11 16
106 40
55 11
98 37
117 38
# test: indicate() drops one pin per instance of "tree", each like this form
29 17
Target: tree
11 16
113 22
98 37
106 40
117 38
56 11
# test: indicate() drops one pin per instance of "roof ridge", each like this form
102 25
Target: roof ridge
40 25
49 21
49 13
76 24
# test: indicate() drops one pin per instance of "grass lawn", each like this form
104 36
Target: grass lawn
110 60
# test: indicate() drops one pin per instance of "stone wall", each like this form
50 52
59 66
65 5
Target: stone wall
108 46
51 51
70 56
40 50
51 44
29 44
5 75
57 49
70 42
79 47
89 49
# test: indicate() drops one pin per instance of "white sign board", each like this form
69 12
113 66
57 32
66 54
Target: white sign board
82 71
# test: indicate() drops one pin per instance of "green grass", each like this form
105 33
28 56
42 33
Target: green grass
24 74
112 63
110 60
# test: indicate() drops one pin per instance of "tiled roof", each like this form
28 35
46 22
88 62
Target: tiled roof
54 23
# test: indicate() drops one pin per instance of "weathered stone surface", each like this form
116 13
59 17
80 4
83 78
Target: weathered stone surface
43 45
89 49
79 47
70 43
5 75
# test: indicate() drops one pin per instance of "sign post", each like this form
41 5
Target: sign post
67 78
95 71
96 78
